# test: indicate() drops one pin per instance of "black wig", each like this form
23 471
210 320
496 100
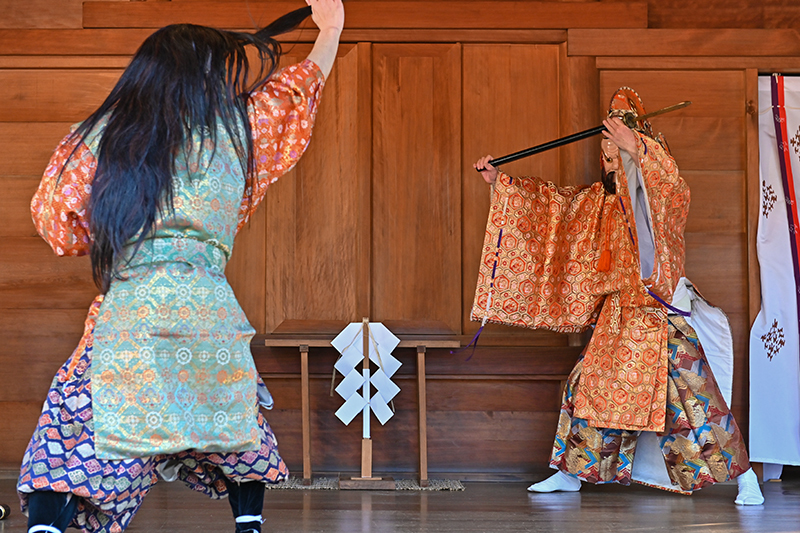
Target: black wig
183 79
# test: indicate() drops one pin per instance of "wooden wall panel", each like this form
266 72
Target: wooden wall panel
689 41
76 42
417 188
722 133
247 270
716 94
41 14
15 206
579 111
723 14
717 264
19 420
506 108
710 214
376 15
740 324
311 240
517 442
53 95
32 144
753 188
41 340
34 277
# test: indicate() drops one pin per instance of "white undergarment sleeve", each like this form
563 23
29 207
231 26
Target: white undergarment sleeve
641 214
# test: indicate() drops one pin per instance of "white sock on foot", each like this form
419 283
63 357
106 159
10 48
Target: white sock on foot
557 482
44 529
749 491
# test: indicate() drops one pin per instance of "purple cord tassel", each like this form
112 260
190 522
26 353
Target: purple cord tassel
473 343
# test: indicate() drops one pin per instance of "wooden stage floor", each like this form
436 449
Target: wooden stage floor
482 507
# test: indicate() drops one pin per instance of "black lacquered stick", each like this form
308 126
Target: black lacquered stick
630 121
546 146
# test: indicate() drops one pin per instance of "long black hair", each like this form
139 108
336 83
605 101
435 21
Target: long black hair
183 79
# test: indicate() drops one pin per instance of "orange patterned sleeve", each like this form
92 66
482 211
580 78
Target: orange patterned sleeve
282 114
59 207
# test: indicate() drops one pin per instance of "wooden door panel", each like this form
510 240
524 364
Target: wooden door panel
302 268
717 264
716 216
721 138
712 93
416 203
511 102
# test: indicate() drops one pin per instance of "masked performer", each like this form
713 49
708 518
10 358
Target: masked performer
610 256
155 185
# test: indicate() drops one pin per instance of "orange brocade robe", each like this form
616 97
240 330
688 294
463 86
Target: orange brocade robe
539 269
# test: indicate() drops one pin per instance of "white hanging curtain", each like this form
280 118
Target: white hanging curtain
774 338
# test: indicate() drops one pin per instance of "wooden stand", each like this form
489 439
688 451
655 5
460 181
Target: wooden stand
367 481
421 343
303 344
423 417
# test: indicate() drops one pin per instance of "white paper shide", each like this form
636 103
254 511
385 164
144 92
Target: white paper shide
355 388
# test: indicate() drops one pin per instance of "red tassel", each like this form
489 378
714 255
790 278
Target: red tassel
604 263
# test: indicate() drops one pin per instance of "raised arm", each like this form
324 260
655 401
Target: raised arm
328 15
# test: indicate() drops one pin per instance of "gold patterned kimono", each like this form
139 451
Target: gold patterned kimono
642 371
547 243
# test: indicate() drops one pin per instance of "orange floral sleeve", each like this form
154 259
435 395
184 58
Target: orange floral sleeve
282 114
59 207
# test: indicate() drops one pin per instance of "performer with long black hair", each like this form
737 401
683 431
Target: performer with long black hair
154 185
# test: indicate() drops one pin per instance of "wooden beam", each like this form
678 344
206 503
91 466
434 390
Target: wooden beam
41 14
441 14
71 42
60 62
60 44
688 42
762 64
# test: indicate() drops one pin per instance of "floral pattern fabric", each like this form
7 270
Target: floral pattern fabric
163 371
539 269
61 455
701 442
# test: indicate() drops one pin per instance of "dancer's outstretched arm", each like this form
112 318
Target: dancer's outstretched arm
328 15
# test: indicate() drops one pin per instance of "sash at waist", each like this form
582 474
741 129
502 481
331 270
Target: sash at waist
210 255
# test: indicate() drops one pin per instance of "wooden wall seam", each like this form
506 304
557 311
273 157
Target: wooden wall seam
684 43
441 14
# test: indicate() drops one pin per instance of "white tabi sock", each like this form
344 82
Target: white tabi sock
44 529
749 491
249 518
558 482
256 520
